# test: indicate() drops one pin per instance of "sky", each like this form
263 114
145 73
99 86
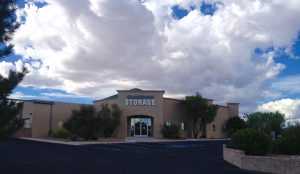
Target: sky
245 51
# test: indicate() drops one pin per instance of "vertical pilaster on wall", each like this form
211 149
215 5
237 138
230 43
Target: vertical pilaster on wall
233 109
50 119
210 101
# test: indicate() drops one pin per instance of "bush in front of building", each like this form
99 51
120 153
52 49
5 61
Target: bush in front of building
88 124
109 119
233 125
171 131
252 142
61 133
267 122
83 123
289 142
200 113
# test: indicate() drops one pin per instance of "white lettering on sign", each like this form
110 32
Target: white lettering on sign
139 101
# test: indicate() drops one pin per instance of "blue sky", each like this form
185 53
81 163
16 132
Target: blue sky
83 73
205 8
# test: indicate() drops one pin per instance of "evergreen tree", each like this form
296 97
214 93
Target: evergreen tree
8 25
10 122
233 125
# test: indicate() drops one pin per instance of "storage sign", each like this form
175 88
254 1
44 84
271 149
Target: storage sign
139 100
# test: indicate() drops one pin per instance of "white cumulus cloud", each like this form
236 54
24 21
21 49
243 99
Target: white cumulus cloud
288 84
287 106
93 47
6 67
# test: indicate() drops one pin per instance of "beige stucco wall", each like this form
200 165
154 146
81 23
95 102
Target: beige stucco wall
233 109
219 122
173 111
27 110
98 104
62 112
156 111
41 114
40 120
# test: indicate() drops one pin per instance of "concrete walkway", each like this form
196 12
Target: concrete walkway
113 141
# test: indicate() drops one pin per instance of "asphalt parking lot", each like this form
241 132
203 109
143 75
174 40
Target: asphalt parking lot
201 157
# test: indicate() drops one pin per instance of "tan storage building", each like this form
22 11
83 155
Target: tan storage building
143 114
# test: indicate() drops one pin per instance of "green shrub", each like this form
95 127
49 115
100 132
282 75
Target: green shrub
61 133
109 119
289 142
89 124
233 125
266 122
251 141
170 131
83 123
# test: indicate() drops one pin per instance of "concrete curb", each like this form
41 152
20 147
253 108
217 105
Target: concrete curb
125 141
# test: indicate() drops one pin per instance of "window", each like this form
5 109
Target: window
60 124
182 125
27 120
168 123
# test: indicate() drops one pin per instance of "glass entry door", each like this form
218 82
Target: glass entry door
140 126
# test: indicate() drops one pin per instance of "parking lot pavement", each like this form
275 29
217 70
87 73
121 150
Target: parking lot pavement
201 157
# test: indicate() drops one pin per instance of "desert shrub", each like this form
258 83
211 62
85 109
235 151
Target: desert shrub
88 124
170 131
61 133
289 142
109 119
83 123
199 113
266 122
252 141
233 125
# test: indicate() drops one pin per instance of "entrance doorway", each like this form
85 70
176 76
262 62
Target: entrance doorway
140 126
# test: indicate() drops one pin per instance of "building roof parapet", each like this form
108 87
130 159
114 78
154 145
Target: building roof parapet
107 98
232 103
140 90
35 101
